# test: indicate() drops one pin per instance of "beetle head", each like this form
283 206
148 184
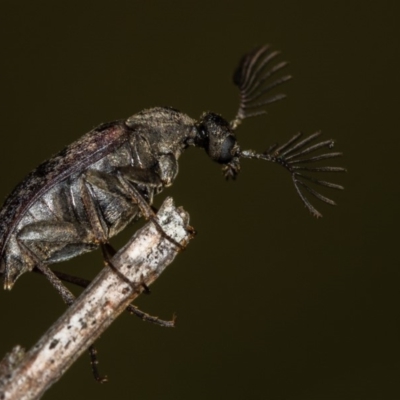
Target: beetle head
216 136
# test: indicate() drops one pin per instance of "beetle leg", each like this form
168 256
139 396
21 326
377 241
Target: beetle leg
108 253
69 298
64 292
146 209
81 282
66 295
42 243
146 317
94 362
45 242
98 226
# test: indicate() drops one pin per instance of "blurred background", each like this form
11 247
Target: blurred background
271 303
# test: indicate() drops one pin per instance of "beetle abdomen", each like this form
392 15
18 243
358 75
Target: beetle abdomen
60 224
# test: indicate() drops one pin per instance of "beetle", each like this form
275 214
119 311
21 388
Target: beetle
90 191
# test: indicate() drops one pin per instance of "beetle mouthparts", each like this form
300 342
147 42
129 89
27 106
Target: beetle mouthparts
8 283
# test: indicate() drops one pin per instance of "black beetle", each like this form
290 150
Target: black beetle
91 190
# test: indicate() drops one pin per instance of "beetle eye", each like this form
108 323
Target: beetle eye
226 155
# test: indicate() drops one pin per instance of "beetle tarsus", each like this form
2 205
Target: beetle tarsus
94 364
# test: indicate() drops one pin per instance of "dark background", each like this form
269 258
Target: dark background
271 302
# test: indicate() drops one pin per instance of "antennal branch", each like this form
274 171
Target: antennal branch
250 77
292 153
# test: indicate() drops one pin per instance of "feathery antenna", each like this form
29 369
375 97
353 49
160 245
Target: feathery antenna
250 77
295 155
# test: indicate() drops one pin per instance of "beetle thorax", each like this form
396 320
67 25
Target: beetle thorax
166 130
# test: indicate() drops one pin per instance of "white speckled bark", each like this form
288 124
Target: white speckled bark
142 260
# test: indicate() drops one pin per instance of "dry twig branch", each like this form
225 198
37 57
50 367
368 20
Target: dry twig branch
28 375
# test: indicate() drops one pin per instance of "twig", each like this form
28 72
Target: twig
141 261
